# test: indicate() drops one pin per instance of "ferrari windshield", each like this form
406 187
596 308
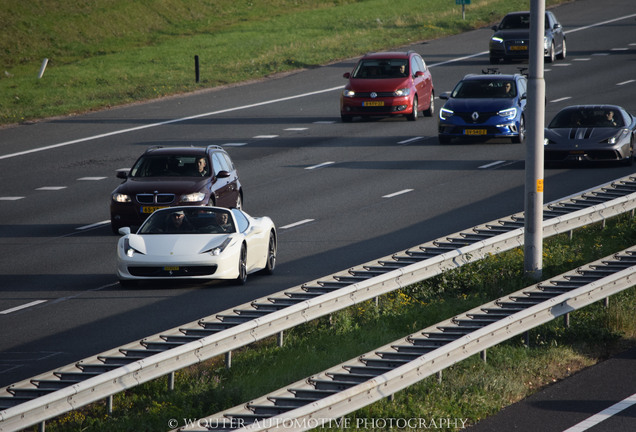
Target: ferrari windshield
587 118
480 88
179 220
381 68
168 165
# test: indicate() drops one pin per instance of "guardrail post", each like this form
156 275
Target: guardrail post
109 404
171 381
484 356
606 302
527 339
42 427
439 377
280 339
228 359
566 320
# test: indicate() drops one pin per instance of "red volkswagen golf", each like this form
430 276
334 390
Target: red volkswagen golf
388 84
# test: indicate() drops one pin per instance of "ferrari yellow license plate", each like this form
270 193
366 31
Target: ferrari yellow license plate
475 132
373 103
150 209
171 268
519 48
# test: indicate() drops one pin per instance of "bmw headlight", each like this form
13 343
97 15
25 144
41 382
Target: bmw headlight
121 198
445 113
193 197
508 114
348 93
402 92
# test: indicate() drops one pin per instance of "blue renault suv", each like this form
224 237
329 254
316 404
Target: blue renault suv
481 107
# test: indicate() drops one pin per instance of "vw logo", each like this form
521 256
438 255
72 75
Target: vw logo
373 95
475 116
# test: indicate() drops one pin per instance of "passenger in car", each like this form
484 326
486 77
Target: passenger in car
202 167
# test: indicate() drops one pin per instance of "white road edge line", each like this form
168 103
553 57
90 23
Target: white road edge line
24 306
491 164
96 224
603 415
324 164
410 140
394 194
295 224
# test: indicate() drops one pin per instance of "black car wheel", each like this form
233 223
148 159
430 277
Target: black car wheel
242 267
521 137
414 114
271 255
550 57
431 108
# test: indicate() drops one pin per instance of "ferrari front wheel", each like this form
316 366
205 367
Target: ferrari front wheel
242 267
271 255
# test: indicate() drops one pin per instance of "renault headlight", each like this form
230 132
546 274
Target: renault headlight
508 113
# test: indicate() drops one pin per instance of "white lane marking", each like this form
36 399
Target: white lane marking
562 65
324 164
51 188
265 136
296 129
233 144
10 198
491 164
603 415
295 224
96 224
91 178
394 194
619 49
325 121
163 123
583 59
410 140
625 82
24 306
561 99
600 24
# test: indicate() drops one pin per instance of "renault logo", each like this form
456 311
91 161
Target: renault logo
475 115
373 95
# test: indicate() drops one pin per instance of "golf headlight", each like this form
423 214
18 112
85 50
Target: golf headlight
402 92
121 198
348 93
445 113
508 114
193 197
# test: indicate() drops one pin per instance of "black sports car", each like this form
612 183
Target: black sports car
591 133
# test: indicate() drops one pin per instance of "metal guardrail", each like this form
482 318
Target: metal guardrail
53 393
320 399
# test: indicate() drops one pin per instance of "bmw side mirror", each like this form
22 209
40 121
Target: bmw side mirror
223 174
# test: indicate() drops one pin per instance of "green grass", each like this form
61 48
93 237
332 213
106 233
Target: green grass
104 53
470 390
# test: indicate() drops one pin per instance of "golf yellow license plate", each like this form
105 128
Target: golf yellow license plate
373 103
150 209
475 132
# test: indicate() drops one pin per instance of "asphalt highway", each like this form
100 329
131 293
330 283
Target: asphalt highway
340 194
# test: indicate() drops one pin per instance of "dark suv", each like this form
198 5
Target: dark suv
172 176
388 84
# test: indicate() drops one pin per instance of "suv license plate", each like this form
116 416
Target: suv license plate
148 210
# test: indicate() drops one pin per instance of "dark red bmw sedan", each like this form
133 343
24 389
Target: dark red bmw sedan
388 84
173 176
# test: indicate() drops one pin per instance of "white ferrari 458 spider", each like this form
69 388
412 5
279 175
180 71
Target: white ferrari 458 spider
193 242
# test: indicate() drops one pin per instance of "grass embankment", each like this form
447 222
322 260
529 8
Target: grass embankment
104 53
470 390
